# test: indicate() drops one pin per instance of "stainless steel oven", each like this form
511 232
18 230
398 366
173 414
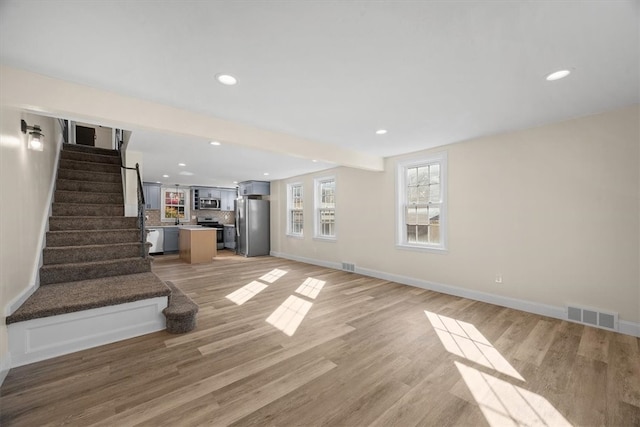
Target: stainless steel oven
210 222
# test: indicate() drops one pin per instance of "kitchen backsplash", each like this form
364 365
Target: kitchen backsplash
223 217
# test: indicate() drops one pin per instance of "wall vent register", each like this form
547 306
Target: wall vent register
593 317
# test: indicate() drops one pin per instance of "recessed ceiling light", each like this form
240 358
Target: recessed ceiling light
214 143
314 161
226 79
235 182
266 174
186 173
381 131
165 176
558 75
181 164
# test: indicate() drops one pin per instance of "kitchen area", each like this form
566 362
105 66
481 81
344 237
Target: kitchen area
200 223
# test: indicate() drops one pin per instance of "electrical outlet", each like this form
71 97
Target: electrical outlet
498 278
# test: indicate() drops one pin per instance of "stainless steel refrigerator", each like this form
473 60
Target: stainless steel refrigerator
252 227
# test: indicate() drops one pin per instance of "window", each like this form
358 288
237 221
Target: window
422 203
325 208
295 216
175 205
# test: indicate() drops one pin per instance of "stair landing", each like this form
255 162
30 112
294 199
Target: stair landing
69 297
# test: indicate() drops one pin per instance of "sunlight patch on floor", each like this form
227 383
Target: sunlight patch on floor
289 315
246 292
311 287
465 340
273 275
505 404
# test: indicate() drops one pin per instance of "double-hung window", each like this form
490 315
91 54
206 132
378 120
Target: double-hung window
422 208
325 208
295 215
175 204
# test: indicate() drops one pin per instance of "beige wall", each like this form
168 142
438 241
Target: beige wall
554 210
25 182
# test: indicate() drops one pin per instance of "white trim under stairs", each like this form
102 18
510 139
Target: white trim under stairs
44 338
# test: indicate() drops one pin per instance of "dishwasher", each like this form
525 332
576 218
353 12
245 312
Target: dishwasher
155 236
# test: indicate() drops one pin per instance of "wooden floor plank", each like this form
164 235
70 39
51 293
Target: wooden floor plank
366 353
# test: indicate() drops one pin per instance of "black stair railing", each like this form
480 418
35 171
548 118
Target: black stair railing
141 202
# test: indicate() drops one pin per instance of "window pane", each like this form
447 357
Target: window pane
422 231
434 193
296 222
327 222
411 233
423 194
327 194
434 174
434 225
412 176
412 195
423 178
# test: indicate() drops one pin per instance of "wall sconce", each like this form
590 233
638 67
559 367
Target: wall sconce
36 138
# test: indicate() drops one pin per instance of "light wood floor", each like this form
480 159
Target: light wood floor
366 352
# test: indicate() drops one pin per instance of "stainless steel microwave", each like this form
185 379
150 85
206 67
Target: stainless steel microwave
207 203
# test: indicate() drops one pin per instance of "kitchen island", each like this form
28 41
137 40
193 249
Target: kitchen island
197 244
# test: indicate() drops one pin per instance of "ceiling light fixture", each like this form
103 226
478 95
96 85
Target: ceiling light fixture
266 174
226 79
314 161
381 131
557 75
181 164
214 143
165 176
235 182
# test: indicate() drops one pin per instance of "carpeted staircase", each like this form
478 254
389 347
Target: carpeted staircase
94 256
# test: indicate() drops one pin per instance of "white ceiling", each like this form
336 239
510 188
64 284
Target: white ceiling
431 72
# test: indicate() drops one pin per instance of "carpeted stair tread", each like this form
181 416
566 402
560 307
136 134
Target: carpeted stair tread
89 176
70 297
88 149
71 272
89 253
59 209
181 311
90 157
88 186
85 197
92 237
59 223
89 166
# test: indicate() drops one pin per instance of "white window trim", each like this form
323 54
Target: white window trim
289 209
401 176
316 209
187 204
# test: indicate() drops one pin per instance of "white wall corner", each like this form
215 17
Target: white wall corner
5 366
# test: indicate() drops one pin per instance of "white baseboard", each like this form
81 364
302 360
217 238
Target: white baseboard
624 327
40 339
629 328
321 263
5 365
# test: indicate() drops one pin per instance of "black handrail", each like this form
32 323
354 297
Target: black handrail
141 201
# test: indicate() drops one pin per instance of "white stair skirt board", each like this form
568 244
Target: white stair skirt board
44 338
625 327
